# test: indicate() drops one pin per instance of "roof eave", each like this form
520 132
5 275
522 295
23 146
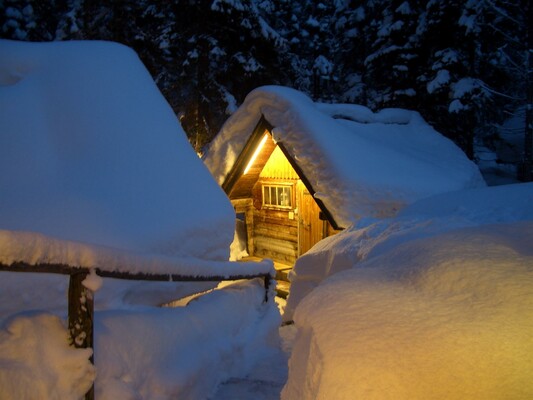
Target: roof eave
240 164
242 160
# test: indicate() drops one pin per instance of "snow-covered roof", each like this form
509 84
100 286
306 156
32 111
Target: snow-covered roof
359 163
91 153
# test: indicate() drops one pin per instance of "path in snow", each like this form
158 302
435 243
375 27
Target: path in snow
267 378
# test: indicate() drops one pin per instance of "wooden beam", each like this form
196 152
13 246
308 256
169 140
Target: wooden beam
242 160
81 317
309 187
81 299
68 270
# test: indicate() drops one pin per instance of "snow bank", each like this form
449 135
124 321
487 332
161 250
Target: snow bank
184 352
444 317
97 172
427 217
360 163
39 249
435 303
238 246
38 292
91 152
142 353
36 361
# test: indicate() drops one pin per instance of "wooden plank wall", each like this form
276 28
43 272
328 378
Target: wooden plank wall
273 232
275 235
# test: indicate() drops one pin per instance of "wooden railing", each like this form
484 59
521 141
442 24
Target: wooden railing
81 299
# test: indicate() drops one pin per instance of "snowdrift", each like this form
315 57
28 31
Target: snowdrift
184 352
97 172
427 217
434 304
36 361
142 353
91 152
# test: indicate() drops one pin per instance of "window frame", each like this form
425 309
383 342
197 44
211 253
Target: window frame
277 185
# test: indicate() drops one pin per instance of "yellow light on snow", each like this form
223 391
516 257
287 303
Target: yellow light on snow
256 153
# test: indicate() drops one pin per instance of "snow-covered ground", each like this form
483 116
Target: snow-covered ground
431 216
97 172
433 304
143 352
91 152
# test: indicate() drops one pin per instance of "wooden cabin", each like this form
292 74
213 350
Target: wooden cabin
275 200
298 171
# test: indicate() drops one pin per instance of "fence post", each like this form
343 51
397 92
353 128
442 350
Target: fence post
267 279
80 316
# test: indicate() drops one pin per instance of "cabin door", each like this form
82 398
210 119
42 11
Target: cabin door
310 226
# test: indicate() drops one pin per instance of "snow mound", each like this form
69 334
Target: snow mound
442 317
39 249
91 152
36 361
142 353
359 163
184 352
427 217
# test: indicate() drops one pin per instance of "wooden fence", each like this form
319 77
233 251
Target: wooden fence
81 299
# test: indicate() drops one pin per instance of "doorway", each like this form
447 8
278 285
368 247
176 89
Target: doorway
310 226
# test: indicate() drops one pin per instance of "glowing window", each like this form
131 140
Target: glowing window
277 196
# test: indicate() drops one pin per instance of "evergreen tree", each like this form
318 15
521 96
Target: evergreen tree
352 26
29 20
231 49
392 63
465 65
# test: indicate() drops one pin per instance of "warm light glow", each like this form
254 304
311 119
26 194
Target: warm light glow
256 153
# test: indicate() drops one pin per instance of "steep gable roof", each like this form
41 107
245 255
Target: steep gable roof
237 184
358 163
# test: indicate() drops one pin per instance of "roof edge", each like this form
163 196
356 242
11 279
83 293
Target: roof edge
308 186
240 164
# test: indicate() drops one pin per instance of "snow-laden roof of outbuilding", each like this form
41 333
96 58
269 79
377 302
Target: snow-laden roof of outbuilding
359 163
91 153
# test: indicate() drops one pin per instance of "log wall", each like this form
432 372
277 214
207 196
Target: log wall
275 235
275 232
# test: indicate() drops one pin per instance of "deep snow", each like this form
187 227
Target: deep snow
435 303
91 152
427 217
97 172
143 352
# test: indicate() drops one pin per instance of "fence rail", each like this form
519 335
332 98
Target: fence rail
81 299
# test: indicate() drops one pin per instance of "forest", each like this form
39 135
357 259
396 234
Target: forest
465 65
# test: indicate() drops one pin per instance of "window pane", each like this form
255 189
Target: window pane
283 196
286 197
266 195
277 196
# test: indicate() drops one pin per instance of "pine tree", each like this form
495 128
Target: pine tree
231 49
392 61
28 20
451 93
352 26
